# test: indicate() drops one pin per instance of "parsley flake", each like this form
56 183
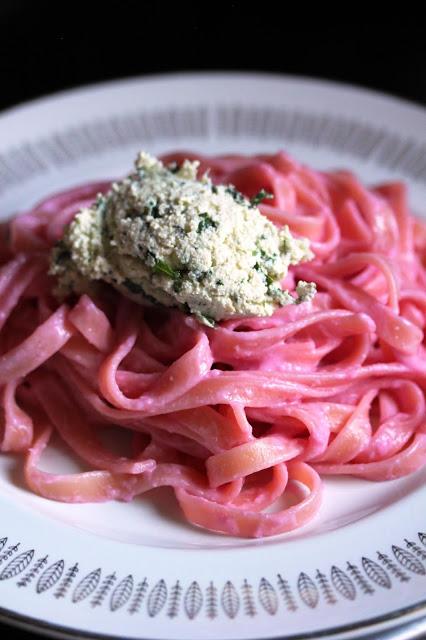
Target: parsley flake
206 222
164 269
260 195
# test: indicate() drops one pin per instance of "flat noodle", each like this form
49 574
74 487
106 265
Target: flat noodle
238 417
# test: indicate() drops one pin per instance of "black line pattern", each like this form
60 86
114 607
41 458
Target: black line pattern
283 124
17 565
249 605
287 594
174 600
121 593
376 573
2 543
308 590
86 586
138 128
193 600
342 583
30 575
268 596
325 587
408 560
138 596
11 549
103 590
66 583
211 601
157 598
50 576
362 583
414 547
422 538
230 600
392 567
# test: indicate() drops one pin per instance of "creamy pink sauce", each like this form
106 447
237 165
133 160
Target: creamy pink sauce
234 417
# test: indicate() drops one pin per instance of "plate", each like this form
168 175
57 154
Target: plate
138 570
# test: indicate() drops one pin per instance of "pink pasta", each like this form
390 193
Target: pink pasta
237 417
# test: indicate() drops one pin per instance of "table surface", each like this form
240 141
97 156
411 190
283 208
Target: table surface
46 47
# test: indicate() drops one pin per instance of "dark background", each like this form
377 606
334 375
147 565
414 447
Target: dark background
49 46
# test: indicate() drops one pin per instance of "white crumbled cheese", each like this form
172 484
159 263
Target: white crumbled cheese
164 236
305 291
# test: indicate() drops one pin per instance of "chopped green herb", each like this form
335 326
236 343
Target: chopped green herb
206 222
269 280
164 269
219 283
177 286
261 195
238 197
215 189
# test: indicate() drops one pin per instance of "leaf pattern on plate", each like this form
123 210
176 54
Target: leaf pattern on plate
376 573
408 560
121 593
86 586
308 590
103 589
362 583
17 565
193 600
342 583
50 576
138 596
414 548
211 601
65 584
230 600
286 592
268 596
174 600
392 567
157 598
325 587
248 599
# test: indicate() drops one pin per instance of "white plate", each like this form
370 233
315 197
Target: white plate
138 570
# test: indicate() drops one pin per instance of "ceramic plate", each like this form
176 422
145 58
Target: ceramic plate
138 570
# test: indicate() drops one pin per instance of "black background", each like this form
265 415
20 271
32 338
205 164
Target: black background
49 46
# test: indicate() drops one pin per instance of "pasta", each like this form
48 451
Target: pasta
237 417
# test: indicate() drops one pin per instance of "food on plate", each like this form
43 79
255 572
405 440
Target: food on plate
252 324
163 235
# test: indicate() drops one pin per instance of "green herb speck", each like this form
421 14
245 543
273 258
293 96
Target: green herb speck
237 196
261 195
206 222
162 268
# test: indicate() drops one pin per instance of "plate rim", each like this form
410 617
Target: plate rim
371 624
214 73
